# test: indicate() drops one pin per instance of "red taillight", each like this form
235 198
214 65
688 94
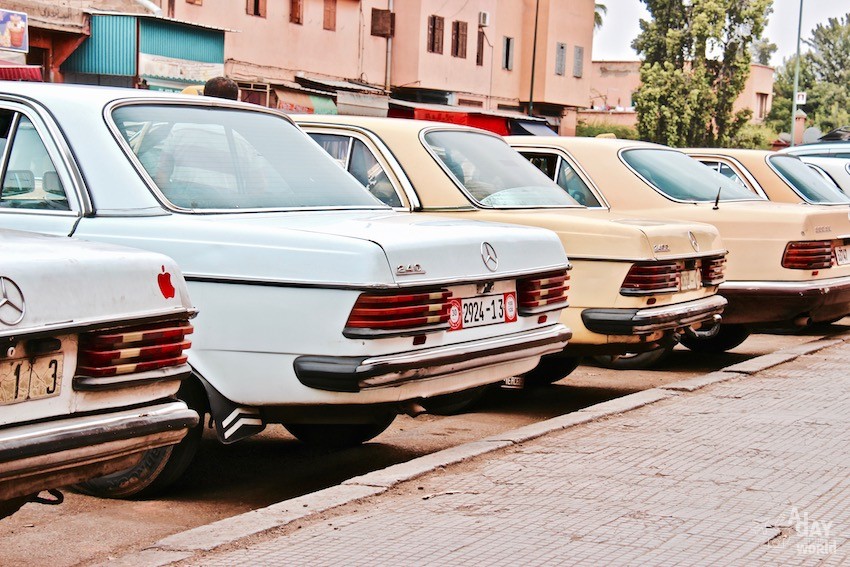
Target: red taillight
808 255
672 276
713 270
543 293
125 351
653 277
399 312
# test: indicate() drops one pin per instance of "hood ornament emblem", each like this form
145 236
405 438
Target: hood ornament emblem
488 254
12 305
694 242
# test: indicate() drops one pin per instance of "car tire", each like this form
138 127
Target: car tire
634 360
726 338
158 469
339 435
456 403
9 507
550 369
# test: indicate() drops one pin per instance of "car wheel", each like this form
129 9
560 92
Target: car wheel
339 435
634 360
157 470
726 338
453 404
550 369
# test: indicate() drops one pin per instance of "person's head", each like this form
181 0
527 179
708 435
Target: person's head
222 87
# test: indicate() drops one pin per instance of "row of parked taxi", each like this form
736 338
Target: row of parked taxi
331 309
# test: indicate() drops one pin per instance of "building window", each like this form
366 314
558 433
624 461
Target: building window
561 59
330 15
761 105
508 53
435 34
578 61
296 11
459 39
256 8
479 49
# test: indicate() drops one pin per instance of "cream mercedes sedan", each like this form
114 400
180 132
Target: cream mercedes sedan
788 265
636 285
782 178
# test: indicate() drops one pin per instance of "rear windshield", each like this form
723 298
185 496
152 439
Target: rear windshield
494 174
683 178
810 186
218 158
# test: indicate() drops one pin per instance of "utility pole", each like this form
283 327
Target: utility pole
796 76
533 61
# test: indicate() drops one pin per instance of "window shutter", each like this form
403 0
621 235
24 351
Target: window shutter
330 15
461 38
296 11
439 31
479 49
455 28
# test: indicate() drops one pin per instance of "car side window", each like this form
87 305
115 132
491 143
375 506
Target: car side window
575 186
360 162
366 169
30 180
726 171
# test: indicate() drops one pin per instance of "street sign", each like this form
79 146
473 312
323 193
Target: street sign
801 98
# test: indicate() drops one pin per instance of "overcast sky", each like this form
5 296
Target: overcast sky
620 26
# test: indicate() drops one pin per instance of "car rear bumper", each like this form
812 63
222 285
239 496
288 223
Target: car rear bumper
353 374
652 319
48 454
792 303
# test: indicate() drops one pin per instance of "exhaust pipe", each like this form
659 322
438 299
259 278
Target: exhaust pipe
706 330
803 321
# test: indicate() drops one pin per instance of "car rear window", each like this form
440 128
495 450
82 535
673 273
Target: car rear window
492 173
219 158
810 186
683 178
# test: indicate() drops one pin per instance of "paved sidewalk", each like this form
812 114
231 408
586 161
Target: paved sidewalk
748 466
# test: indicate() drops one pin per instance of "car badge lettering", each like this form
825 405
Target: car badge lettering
661 248
12 304
409 270
694 242
822 229
488 255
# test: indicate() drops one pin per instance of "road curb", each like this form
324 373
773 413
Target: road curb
187 544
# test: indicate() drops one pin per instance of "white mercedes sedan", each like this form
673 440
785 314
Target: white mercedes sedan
320 308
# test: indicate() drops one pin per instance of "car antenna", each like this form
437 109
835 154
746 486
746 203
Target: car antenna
717 199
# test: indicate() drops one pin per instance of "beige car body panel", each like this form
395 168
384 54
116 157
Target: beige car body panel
601 244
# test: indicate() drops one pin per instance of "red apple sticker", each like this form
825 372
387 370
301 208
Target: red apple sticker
165 286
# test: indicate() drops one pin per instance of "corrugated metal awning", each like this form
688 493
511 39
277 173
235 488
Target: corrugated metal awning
296 102
362 104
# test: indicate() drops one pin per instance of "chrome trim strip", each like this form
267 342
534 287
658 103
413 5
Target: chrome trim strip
784 286
241 280
691 256
123 319
713 302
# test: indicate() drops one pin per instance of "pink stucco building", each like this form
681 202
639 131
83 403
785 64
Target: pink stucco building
479 57
612 84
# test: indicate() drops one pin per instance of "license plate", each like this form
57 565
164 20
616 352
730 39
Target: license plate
482 310
842 255
23 379
689 279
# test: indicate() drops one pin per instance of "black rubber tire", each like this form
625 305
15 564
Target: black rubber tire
727 338
9 507
159 469
634 361
339 435
456 403
550 369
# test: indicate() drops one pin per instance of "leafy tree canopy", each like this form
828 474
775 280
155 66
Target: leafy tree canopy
696 59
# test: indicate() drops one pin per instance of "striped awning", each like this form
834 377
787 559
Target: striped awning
10 71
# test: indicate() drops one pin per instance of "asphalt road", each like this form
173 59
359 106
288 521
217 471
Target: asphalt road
228 480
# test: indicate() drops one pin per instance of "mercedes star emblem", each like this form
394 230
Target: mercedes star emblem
12 307
694 242
488 254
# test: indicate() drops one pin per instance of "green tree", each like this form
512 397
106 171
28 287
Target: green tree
824 77
763 50
599 10
696 59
